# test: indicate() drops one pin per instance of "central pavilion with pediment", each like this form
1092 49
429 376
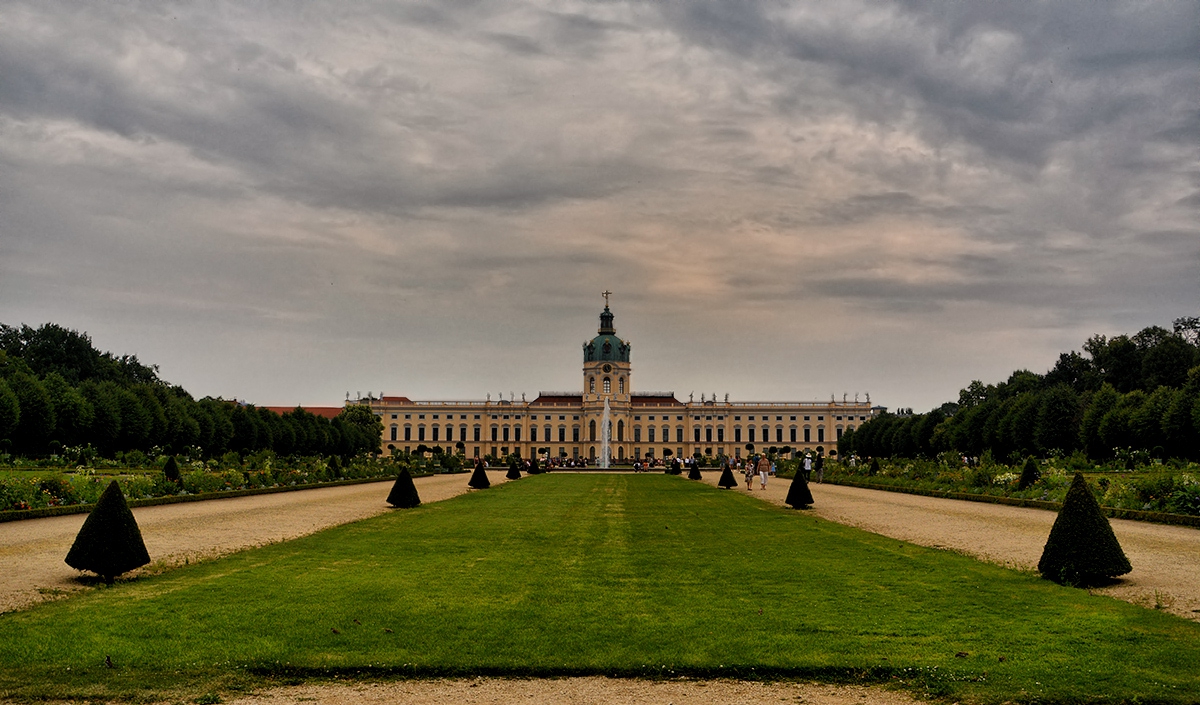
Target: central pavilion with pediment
643 424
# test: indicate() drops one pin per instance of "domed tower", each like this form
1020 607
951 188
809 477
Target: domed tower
607 376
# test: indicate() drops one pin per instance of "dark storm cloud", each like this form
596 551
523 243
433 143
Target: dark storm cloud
461 171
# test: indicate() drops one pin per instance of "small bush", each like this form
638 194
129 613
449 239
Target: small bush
1082 549
404 492
799 496
479 479
171 470
109 542
1029 474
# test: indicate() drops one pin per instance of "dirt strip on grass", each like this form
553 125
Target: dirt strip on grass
32 551
575 691
1165 559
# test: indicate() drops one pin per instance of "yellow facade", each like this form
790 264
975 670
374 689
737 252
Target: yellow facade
569 424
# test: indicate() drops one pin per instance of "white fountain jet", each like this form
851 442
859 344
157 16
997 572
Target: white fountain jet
605 437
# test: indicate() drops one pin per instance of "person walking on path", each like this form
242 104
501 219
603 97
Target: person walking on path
764 469
749 470
808 465
819 467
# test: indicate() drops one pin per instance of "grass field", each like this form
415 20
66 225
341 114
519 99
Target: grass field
646 575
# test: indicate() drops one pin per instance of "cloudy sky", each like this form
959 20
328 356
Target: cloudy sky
283 202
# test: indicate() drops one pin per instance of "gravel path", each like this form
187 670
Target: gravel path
1165 559
32 551
576 691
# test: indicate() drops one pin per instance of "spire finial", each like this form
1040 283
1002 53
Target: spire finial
606 293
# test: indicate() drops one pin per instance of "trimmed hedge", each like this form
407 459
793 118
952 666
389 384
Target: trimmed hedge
404 492
1082 548
109 542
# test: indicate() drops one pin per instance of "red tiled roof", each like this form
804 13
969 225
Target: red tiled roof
558 399
328 412
395 400
655 400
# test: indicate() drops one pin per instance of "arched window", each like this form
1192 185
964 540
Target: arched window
620 431
621 385
592 430
607 386
592 385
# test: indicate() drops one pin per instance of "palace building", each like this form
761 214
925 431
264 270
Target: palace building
642 424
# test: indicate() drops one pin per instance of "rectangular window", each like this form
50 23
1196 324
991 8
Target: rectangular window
394 429
449 433
476 438
793 434
575 434
720 434
679 435
506 434
517 434
737 435
821 434
420 433
708 435
779 434
495 434
408 433
750 431
839 433
650 434
533 434
637 434
808 435
435 433
562 434
696 434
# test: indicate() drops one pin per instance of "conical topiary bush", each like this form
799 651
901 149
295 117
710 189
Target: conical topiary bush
1082 548
1029 474
799 496
694 473
514 472
171 470
479 479
109 542
404 492
727 480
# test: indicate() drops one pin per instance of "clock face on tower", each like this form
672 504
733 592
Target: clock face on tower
608 368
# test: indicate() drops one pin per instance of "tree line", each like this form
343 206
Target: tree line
57 391
1119 397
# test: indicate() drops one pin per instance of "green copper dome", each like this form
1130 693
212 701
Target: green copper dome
606 345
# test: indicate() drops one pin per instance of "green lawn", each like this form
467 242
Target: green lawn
646 575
